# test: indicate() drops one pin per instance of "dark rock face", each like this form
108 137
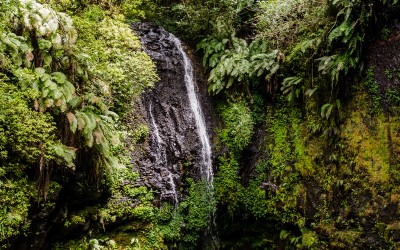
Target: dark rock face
174 143
384 59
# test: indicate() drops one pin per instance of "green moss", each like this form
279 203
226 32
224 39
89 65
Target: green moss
125 193
200 204
15 192
74 220
288 142
171 222
315 176
371 147
228 190
304 162
309 240
373 90
254 196
121 71
238 125
141 133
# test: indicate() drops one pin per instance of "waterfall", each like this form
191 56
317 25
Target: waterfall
206 162
206 170
161 157
158 141
179 144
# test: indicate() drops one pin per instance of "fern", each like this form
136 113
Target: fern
64 155
54 89
213 50
327 108
228 66
45 22
16 48
73 121
234 61
289 85
44 64
264 63
97 130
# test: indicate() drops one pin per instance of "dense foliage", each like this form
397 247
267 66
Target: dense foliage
296 70
307 150
65 84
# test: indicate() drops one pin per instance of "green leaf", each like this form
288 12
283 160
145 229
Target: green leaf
310 92
40 72
44 44
59 77
72 121
326 110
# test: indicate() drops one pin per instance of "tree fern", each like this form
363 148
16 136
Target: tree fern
64 155
16 48
213 49
45 66
45 22
233 62
54 89
73 121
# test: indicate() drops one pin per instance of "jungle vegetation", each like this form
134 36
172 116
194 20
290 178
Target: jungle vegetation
296 73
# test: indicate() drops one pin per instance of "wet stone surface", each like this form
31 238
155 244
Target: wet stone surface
174 147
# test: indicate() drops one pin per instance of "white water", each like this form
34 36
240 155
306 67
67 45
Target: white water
173 188
159 141
206 162
160 155
206 170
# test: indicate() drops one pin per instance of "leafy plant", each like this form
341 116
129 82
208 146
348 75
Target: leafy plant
228 190
60 95
200 206
327 108
239 126
119 69
233 62
289 85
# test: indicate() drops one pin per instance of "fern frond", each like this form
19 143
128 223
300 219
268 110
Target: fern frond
64 154
72 121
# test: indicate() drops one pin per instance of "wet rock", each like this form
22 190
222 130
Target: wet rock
174 140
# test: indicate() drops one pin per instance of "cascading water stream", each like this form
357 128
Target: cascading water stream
206 170
160 154
158 140
180 145
206 163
